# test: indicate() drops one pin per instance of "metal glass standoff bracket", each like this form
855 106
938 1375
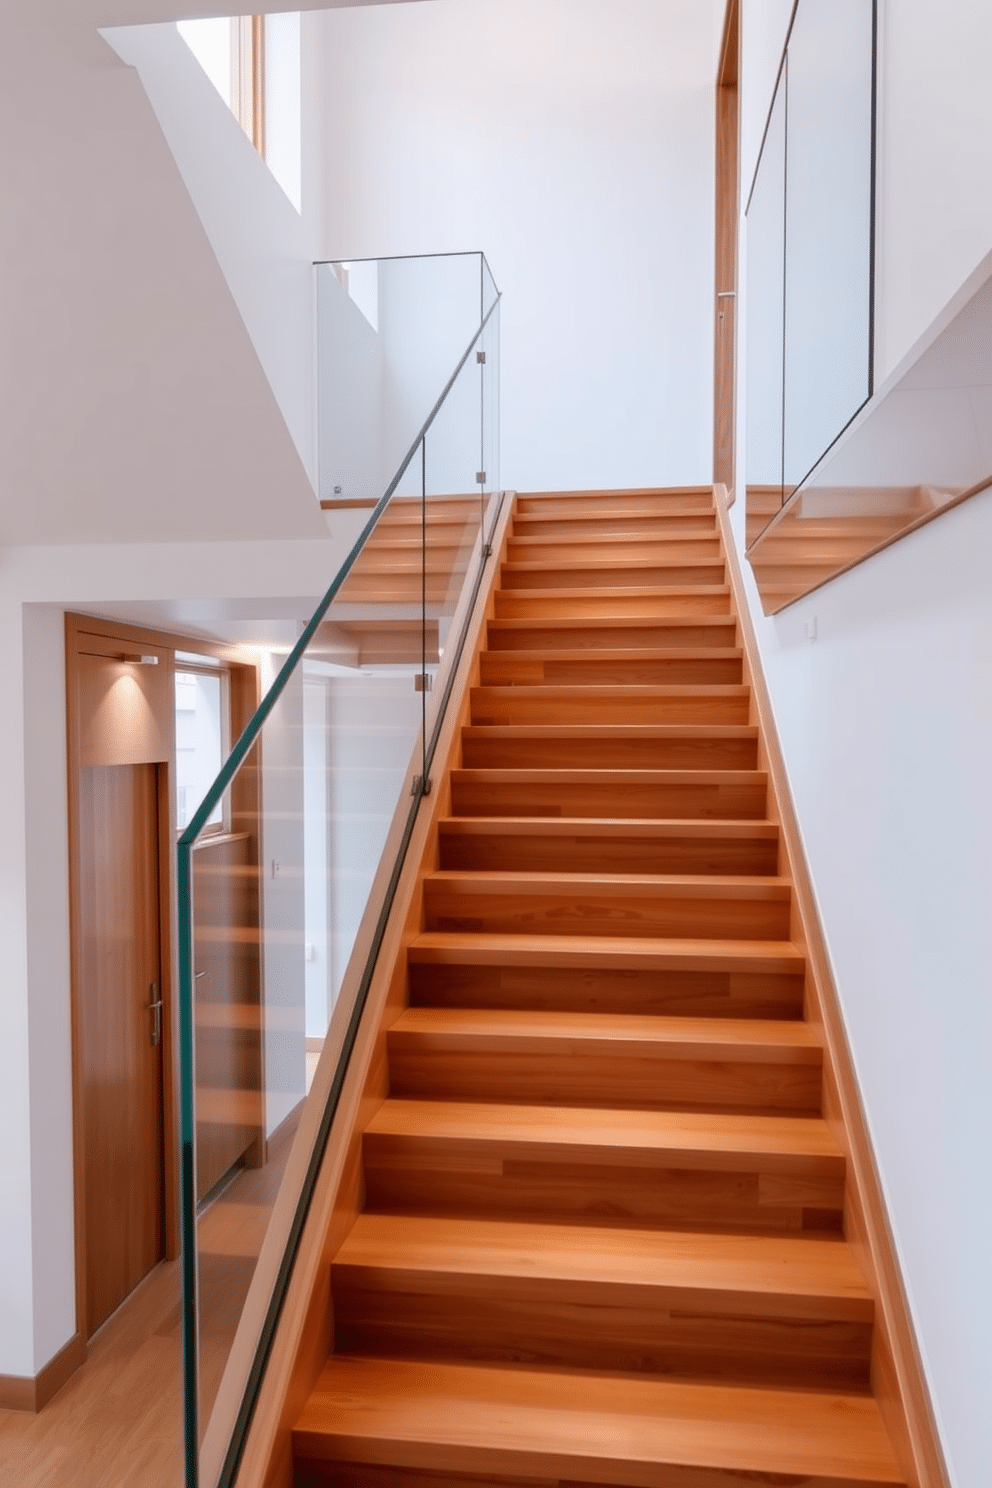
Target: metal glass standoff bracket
480 477
421 785
480 357
422 681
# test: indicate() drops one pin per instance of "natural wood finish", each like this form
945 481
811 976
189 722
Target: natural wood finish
611 631
657 746
588 1013
608 603
799 552
597 846
727 173
897 1369
722 794
639 665
596 1059
91 637
588 1298
120 1067
617 1431
32 1393
305 1329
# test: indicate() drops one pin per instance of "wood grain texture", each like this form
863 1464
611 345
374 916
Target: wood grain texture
604 1187
608 1430
610 631
120 1066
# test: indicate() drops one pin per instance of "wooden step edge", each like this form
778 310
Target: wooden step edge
745 1040
619 731
473 881
786 1142
439 947
576 565
609 495
608 592
602 827
483 775
587 1428
610 622
628 653
795 1273
617 690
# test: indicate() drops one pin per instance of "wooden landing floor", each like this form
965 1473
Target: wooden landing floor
118 1422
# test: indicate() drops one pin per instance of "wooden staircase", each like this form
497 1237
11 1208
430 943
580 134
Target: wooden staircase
603 1233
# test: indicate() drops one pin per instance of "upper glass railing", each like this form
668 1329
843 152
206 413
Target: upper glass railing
810 252
281 911
389 332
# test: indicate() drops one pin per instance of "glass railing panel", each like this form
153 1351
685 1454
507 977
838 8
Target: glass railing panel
281 910
278 898
490 409
828 227
454 508
389 332
490 294
766 322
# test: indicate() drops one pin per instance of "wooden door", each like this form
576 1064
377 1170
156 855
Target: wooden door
120 1030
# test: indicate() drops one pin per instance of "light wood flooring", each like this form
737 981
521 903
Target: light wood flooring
118 1421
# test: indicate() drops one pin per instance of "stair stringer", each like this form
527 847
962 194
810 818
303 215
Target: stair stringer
898 1380
305 1331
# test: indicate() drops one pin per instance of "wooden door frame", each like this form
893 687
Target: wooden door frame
243 701
727 191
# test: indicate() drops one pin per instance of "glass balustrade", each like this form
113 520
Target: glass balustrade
281 915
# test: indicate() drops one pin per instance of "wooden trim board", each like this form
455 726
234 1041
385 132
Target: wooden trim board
727 136
32 1393
897 1369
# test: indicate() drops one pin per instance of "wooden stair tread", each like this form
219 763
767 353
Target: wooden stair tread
617 730
608 592
625 653
687 1135
624 777
617 690
792 1271
711 1038
599 826
683 953
636 885
606 564
614 622
607 1429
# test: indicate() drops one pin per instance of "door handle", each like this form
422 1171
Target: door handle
155 1008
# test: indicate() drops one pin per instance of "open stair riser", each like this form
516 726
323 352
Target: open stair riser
602 1238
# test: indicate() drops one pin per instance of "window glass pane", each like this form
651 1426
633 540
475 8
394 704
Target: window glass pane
199 743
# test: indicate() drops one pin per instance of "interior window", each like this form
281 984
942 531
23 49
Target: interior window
202 741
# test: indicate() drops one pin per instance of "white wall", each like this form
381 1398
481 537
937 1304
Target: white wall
572 141
265 248
886 727
935 180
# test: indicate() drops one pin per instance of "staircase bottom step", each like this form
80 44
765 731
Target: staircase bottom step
446 1423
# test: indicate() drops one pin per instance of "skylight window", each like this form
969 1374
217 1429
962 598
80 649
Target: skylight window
254 63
